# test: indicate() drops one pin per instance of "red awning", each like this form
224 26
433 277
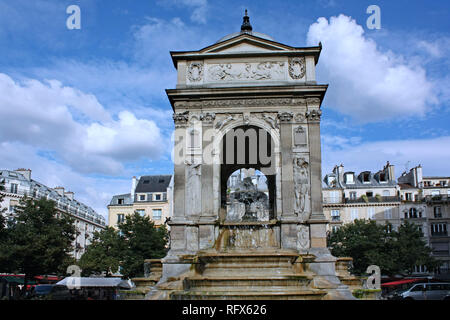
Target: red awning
396 283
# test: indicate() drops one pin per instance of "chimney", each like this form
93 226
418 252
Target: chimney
133 187
69 194
389 169
60 190
25 172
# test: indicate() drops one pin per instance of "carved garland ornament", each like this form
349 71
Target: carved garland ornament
285 116
314 115
208 117
195 71
243 102
297 67
180 118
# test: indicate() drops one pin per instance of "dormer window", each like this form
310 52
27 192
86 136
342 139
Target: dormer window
383 177
349 178
120 201
366 177
332 181
142 197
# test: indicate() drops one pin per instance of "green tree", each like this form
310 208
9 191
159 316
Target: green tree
103 254
136 240
366 242
142 240
369 243
411 249
39 241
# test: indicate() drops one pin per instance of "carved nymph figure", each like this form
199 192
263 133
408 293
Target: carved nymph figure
301 189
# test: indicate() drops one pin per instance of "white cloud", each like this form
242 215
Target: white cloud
432 154
366 83
74 127
94 192
200 8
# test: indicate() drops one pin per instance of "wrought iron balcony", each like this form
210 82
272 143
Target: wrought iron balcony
373 199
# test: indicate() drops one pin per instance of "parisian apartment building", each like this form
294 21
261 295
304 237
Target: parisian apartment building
379 196
149 196
18 184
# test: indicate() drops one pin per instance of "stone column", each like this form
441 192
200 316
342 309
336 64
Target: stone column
177 225
287 173
317 219
208 216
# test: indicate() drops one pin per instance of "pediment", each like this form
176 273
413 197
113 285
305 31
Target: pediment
245 43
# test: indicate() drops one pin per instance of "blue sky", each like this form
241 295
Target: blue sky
86 109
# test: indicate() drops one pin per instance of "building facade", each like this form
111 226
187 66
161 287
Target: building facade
421 200
19 184
348 196
150 196
425 201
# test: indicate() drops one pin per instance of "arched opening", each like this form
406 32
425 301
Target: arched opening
248 147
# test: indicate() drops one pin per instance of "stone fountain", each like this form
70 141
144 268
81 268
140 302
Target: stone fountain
248 102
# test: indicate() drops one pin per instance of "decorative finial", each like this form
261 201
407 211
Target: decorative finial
246 26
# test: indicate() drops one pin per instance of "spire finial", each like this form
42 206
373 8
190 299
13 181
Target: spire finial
246 26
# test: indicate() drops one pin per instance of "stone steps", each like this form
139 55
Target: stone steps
248 275
245 295
231 283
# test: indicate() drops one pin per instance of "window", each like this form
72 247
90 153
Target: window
349 178
141 212
332 181
354 213
120 201
366 177
157 213
412 213
439 229
146 181
435 193
13 187
335 215
353 195
408 196
157 197
142 197
383 177
388 213
334 228
440 248
120 217
369 193
371 213
418 287
386 193
437 212
334 196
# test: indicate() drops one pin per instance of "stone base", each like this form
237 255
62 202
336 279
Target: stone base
245 274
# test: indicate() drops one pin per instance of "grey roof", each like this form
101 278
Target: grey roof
126 199
153 183
95 282
358 181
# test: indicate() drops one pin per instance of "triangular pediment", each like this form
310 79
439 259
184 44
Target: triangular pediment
245 43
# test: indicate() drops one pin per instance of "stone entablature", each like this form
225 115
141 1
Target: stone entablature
246 60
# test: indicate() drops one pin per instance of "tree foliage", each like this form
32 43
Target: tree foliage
103 254
369 243
38 240
136 239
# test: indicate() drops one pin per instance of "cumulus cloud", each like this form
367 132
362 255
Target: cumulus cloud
94 192
199 7
74 126
357 156
366 83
